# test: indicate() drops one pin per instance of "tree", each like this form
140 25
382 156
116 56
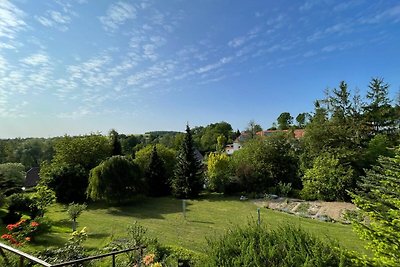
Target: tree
285 120
87 151
128 142
206 138
156 176
69 182
12 177
378 199
378 146
42 198
74 210
262 164
327 179
253 128
378 112
218 171
116 179
301 120
116 148
221 143
167 155
187 182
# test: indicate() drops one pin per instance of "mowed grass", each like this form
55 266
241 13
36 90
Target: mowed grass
207 217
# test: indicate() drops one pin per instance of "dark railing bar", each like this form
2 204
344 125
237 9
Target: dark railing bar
25 255
95 257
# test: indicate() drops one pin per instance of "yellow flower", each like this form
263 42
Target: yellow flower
156 264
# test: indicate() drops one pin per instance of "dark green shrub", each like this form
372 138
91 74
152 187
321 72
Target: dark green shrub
69 182
19 204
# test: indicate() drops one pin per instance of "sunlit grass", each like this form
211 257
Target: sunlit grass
208 217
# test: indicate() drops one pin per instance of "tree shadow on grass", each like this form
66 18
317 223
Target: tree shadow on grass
50 240
153 208
202 222
214 197
98 235
62 223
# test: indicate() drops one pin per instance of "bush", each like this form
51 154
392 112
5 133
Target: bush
19 204
72 250
24 231
69 182
327 180
136 236
283 189
255 245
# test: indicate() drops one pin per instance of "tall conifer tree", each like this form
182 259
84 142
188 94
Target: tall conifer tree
187 181
116 148
156 176
379 201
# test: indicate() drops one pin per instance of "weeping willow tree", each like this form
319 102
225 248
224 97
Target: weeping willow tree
114 180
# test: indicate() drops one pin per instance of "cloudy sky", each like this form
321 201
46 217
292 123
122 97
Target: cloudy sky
81 66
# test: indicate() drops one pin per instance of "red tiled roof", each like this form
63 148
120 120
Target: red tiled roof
298 133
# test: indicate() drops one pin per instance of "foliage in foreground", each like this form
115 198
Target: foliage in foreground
379 200
72 250
255 245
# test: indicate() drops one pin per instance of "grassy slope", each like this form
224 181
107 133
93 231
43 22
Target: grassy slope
163 217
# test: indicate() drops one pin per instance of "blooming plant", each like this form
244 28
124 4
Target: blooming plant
148 260
21 232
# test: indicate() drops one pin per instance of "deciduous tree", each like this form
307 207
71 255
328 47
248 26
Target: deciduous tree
218 171
285 120
115 180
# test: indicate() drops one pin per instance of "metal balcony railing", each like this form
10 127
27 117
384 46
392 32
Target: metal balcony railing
24 257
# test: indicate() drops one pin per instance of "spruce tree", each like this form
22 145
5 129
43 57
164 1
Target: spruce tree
116 148
187 181
379 202
156 176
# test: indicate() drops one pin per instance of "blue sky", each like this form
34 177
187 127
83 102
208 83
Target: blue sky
76 66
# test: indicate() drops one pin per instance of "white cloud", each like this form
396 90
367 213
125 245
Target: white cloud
54 19
118 14
213 66
392 13
239 41
11 20
36 59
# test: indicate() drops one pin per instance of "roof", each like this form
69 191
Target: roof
32 177
298 133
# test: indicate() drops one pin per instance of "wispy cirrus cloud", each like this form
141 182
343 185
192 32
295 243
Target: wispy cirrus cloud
218 64
389 14
239 41
117 14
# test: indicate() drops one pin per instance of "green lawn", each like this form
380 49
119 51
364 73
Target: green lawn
207 217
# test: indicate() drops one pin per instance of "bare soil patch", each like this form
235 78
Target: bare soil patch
324 211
